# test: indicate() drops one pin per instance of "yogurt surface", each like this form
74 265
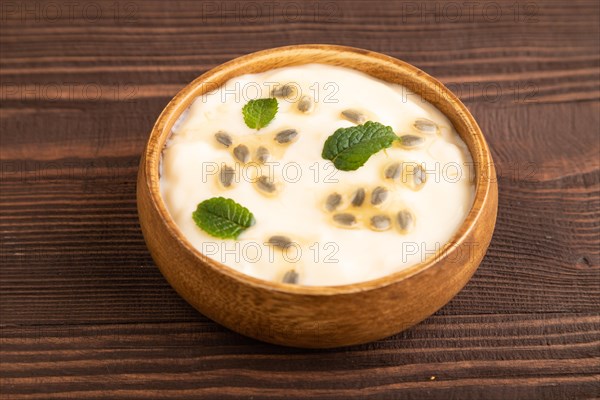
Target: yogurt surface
323 252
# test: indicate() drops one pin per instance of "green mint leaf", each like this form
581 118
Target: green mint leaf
259 113
222 218
350 148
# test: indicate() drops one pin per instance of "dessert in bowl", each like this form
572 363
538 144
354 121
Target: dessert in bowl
316 195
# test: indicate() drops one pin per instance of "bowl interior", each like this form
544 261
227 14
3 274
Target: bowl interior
375 64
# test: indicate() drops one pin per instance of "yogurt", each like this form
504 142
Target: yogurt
319 225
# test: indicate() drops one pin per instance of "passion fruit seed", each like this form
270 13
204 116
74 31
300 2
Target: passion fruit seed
411 141
286 136
379 195
306 104
242 153
226 176
283 91
415 177
420 176
354 116
426 126
265 185
380 222
333 201
358 197
393 171
262 154
405 221
345 219
280 241
224 138
291 277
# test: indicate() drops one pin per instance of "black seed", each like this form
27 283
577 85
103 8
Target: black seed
393 171
425 125
379 195
283 242
333 201
411 140
420 176
345 219
266 185
380 222
224 138
283 91
358 197
405 220
242 153
306 104
262 154
354 116
226 175
290 277
286 136
416 177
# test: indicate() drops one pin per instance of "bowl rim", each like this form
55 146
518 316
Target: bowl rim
153 153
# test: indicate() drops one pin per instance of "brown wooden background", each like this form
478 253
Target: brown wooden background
84 313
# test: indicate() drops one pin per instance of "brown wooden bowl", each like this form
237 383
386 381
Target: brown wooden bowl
309 316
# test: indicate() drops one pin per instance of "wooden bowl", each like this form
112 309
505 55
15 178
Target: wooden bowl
309 316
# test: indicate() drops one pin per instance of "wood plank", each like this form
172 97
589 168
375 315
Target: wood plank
534 355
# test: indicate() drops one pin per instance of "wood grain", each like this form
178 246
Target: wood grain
73 260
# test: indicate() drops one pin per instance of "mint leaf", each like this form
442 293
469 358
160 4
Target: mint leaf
222 218
350 148
259 113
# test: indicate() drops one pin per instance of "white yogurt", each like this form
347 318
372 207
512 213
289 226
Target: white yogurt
323 254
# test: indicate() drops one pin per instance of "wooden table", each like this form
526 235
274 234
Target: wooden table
86 314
